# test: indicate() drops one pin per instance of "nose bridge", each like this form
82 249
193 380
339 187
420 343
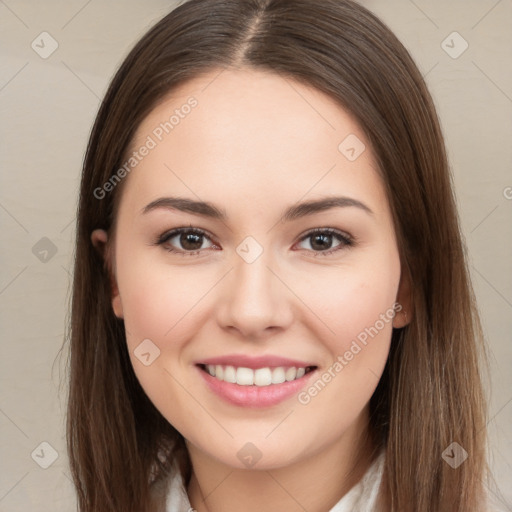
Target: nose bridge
255 298
253 280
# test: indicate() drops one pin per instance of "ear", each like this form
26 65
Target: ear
99 239
404 312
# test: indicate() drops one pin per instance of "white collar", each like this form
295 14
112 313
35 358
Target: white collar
361 498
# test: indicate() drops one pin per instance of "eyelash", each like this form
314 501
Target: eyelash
347 241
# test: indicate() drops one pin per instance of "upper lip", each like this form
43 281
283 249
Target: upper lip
254 362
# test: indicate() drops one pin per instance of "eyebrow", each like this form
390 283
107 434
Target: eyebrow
205 209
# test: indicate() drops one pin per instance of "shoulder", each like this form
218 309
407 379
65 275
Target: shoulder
363 496
170 492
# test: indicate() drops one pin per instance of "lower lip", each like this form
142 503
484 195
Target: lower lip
255 396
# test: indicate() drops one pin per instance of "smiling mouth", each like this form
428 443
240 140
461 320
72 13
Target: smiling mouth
259 377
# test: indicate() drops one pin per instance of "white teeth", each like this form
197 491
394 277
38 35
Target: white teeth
278 375
260 377
229 374
263 377
244 376
291 373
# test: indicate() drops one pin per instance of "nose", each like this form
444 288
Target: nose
254 300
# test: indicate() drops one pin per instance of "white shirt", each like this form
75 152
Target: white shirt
361 498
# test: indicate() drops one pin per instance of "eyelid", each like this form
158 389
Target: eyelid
177 231
331 231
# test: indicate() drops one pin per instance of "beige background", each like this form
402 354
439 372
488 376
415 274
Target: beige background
48 106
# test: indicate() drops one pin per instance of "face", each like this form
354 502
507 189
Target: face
290 307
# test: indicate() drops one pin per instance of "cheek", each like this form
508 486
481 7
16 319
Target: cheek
358 308
156 301
350 301
158 305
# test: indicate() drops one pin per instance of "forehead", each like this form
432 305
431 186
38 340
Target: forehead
251 106
254 133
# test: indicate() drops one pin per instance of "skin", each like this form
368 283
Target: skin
256 144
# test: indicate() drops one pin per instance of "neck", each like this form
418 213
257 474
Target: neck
314 483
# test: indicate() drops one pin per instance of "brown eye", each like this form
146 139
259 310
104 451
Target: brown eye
184 241
321 241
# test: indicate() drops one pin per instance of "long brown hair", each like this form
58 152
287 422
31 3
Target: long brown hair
431 392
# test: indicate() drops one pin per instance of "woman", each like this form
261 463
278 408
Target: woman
321 351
